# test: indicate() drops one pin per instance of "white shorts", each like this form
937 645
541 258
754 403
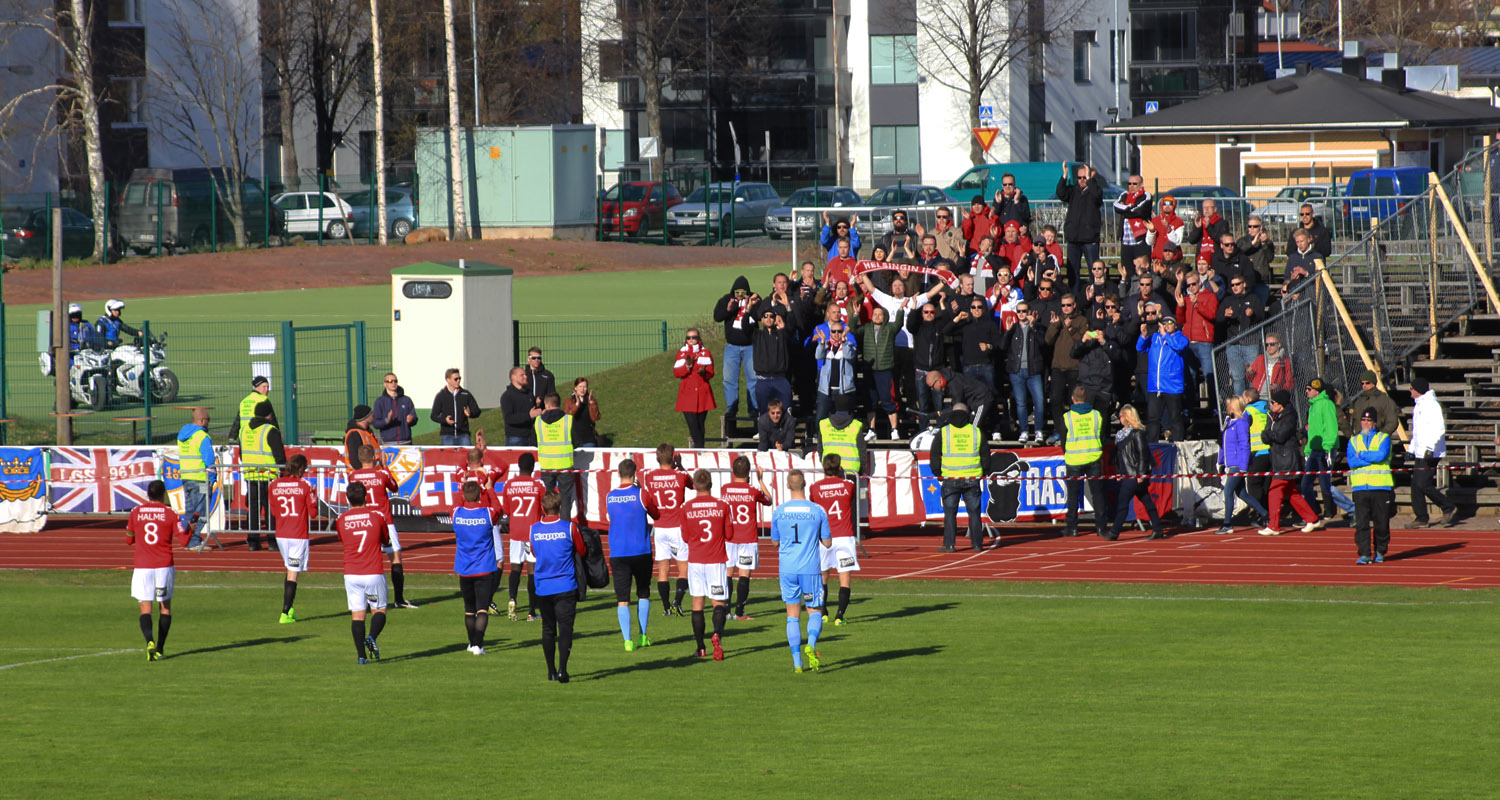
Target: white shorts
365 591
669 544
519 551
395 546
153 585
708 580
293 554
842 556
742 556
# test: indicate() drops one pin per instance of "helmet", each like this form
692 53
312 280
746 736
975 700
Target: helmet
74 308
115 305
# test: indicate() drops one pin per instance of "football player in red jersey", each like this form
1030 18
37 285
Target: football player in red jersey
836 495
156 524
379 485
521 500
667 485
293 503
362 530
742 551
705 519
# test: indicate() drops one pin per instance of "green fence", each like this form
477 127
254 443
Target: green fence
317 374
571 349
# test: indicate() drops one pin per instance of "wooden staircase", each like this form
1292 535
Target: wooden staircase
1466 378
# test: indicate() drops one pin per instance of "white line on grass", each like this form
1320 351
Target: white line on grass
66 658
1309 600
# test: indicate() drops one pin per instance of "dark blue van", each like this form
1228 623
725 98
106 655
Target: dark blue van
1378 193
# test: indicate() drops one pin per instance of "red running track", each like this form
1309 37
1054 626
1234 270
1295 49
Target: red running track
1455 557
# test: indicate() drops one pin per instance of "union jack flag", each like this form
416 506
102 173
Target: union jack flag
100 480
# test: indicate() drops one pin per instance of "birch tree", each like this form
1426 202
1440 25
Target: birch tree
455 149
379 92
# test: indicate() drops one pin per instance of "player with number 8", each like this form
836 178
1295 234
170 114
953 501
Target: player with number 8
155 573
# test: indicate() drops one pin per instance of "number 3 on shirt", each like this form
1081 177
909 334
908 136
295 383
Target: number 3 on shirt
708 530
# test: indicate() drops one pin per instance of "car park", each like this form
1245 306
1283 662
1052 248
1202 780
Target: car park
779 220
723 206
636 207
1232 207
306 212
176 208
1375 194
400 211
27 235
1285 206
907 197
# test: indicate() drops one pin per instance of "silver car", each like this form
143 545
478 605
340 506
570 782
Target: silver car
1282 209
907 197
742 205
779 220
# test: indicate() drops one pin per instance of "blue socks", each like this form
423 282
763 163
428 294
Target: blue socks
794 639
814 627
623 612
643 613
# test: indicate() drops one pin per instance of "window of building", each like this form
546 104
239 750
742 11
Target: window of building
125 12
895 150
1117 56
1083 140
1164 35
892 59
1083 45
126 103
611 60
367 157
1038 140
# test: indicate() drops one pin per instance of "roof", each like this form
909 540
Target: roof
1319 100
450 269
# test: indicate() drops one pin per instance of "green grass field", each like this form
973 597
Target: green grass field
934 690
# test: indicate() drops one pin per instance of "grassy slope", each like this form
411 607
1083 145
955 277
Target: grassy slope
934 689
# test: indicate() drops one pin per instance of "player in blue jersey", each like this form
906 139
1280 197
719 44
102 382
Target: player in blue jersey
798 526
553 543
475 561
627 508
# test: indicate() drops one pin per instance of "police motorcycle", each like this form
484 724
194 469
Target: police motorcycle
128 361
89 370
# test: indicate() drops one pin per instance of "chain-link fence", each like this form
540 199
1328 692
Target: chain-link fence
1376 304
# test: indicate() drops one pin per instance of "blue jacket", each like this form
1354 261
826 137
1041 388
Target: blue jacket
1234 452
1358 459
1164 366
393 431
830 242
81 336
205 451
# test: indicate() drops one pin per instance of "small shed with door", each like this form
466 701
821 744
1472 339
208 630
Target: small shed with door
452 314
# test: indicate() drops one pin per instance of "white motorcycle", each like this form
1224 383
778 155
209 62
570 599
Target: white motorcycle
128 364
88 377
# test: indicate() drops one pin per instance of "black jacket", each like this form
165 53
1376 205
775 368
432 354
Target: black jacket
769 433
1084 221
737 333
1281 434
772 356
1016 208
927 349
515 408
1237 265
1321 242
1031 338
448 404
1230 327
963 389
540 383
935 453
1260 255
1096 365
1133 453
971 333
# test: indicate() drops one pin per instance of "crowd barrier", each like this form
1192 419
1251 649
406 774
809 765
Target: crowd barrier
1025 485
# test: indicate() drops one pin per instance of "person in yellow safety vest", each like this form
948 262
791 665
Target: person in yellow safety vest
1083 457
1369 454
260 389
554 451
959 459
196 465
1257 483
843 434
261 457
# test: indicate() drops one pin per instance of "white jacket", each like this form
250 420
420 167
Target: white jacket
1428 430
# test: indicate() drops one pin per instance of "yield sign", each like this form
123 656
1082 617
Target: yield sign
986 137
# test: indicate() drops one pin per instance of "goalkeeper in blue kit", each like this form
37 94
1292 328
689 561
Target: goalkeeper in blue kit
797 527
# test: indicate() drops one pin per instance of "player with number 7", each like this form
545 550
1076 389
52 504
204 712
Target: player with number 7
362 530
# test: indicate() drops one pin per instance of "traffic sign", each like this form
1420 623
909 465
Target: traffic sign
986 113
1152 106
986 137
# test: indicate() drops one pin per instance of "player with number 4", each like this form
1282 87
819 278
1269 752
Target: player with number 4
799 527
362 531
742 548
155 523
836 495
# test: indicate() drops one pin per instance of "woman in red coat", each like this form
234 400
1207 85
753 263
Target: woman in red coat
695 396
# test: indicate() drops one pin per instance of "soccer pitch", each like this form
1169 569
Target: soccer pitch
934 689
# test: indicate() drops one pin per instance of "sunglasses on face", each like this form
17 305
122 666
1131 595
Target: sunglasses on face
928 313
1236 283
1067 305
1226 244
767 315
944 216
1109 307
1273 344
843 227
692 338
1191 284
1306 214
1004 183
1133 183
390 380
1252 227
533 358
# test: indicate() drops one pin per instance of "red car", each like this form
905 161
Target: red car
636 207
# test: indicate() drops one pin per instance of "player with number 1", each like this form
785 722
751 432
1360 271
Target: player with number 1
155 574
798 527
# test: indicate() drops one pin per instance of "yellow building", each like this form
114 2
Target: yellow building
1313 127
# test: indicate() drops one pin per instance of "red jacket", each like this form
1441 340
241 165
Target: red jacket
978 226
1168 227
1013 252
694 393
839 269
1196 319
1281 375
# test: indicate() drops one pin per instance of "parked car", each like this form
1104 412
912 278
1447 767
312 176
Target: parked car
191 213
400 211
636 207
26 235
744 207
1284 207
1378 193
779 220
905 197
305 210
1036 179
1232 207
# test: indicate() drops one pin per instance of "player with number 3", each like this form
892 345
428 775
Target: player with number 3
704 520
155 524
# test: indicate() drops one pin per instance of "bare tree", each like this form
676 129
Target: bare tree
455 149
1413 28
72 99
658 36
209 79
285 56
966 45
379 91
